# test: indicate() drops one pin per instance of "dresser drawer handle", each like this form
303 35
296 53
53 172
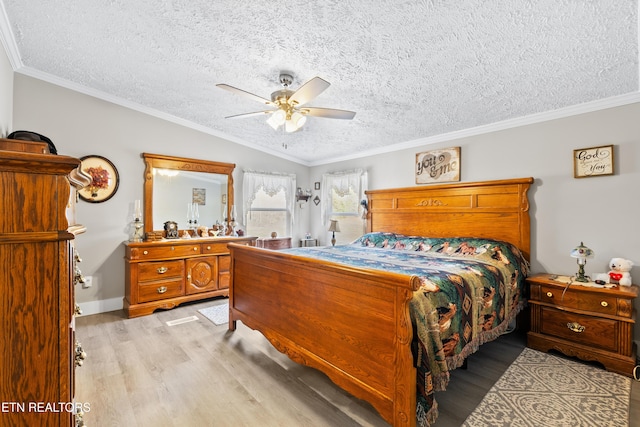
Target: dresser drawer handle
162 270
604 304
575 327
162 289
195 248
550 295
208 248
145 252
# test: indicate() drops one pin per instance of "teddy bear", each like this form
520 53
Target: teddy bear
619 273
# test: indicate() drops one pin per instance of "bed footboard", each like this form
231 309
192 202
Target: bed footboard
352 324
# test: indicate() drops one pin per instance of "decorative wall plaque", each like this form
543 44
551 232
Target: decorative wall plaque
595 161
438 166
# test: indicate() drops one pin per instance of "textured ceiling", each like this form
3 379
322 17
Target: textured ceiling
411 70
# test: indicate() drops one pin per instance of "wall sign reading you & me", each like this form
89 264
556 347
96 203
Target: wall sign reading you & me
438 166
594 161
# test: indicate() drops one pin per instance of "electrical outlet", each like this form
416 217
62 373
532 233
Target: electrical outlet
88 282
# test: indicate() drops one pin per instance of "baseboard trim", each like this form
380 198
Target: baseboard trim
100 306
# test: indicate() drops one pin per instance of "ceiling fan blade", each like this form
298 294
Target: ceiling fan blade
245 94
255 113
308 91
329 113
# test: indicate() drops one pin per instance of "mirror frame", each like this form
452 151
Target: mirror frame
161 161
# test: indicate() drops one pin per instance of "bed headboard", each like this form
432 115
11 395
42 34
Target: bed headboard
490 209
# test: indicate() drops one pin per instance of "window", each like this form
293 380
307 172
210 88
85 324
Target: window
342 193
268 204
268 213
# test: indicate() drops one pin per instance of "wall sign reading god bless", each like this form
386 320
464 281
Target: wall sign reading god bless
438 166
595 161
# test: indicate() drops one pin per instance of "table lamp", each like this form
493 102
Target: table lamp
581 252
333 227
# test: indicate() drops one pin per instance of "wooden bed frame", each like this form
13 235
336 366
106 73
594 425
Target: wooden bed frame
351 323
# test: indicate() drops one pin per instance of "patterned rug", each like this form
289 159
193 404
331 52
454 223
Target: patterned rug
218 314
541 389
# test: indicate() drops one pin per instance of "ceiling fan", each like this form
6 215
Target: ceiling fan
288 104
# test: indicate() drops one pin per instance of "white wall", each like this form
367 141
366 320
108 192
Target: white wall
6 94
80 125
601 211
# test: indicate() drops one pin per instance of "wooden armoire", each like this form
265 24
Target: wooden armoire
37 274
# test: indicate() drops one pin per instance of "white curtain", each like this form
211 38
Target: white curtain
271 183
341 182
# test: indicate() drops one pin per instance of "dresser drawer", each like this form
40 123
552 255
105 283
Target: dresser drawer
578 328
215 248
579 299
160 270
162 289
172 251
224 264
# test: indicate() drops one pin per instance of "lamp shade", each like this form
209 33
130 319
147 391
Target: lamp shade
582 252
334 226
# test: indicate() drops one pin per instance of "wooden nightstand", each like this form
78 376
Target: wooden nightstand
589 323
305 243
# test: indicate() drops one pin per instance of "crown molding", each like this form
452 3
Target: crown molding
49 78
8 41
574 110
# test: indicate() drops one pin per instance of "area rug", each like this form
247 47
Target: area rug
218 314
541 389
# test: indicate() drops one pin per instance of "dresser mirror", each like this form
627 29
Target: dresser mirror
182 190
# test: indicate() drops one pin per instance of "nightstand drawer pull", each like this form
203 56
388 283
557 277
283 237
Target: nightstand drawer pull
162 289
162 270
575 327
549 294
604 304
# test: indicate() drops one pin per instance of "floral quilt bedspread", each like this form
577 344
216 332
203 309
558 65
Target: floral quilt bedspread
471 290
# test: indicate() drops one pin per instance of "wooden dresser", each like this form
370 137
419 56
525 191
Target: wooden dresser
590 323
166 273
274 243
37 274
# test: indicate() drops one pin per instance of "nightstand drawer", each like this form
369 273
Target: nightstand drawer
578 299
589 330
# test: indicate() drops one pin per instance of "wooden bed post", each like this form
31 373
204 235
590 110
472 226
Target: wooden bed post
404 399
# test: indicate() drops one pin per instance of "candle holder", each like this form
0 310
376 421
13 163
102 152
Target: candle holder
137 226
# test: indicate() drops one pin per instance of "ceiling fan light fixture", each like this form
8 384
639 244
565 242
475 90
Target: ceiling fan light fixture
299 119
296 121
277 119
287 103
289 126
272 122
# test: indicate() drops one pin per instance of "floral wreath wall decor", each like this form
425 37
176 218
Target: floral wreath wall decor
104 179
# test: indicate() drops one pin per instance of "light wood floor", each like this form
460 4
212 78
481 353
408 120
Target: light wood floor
142 372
